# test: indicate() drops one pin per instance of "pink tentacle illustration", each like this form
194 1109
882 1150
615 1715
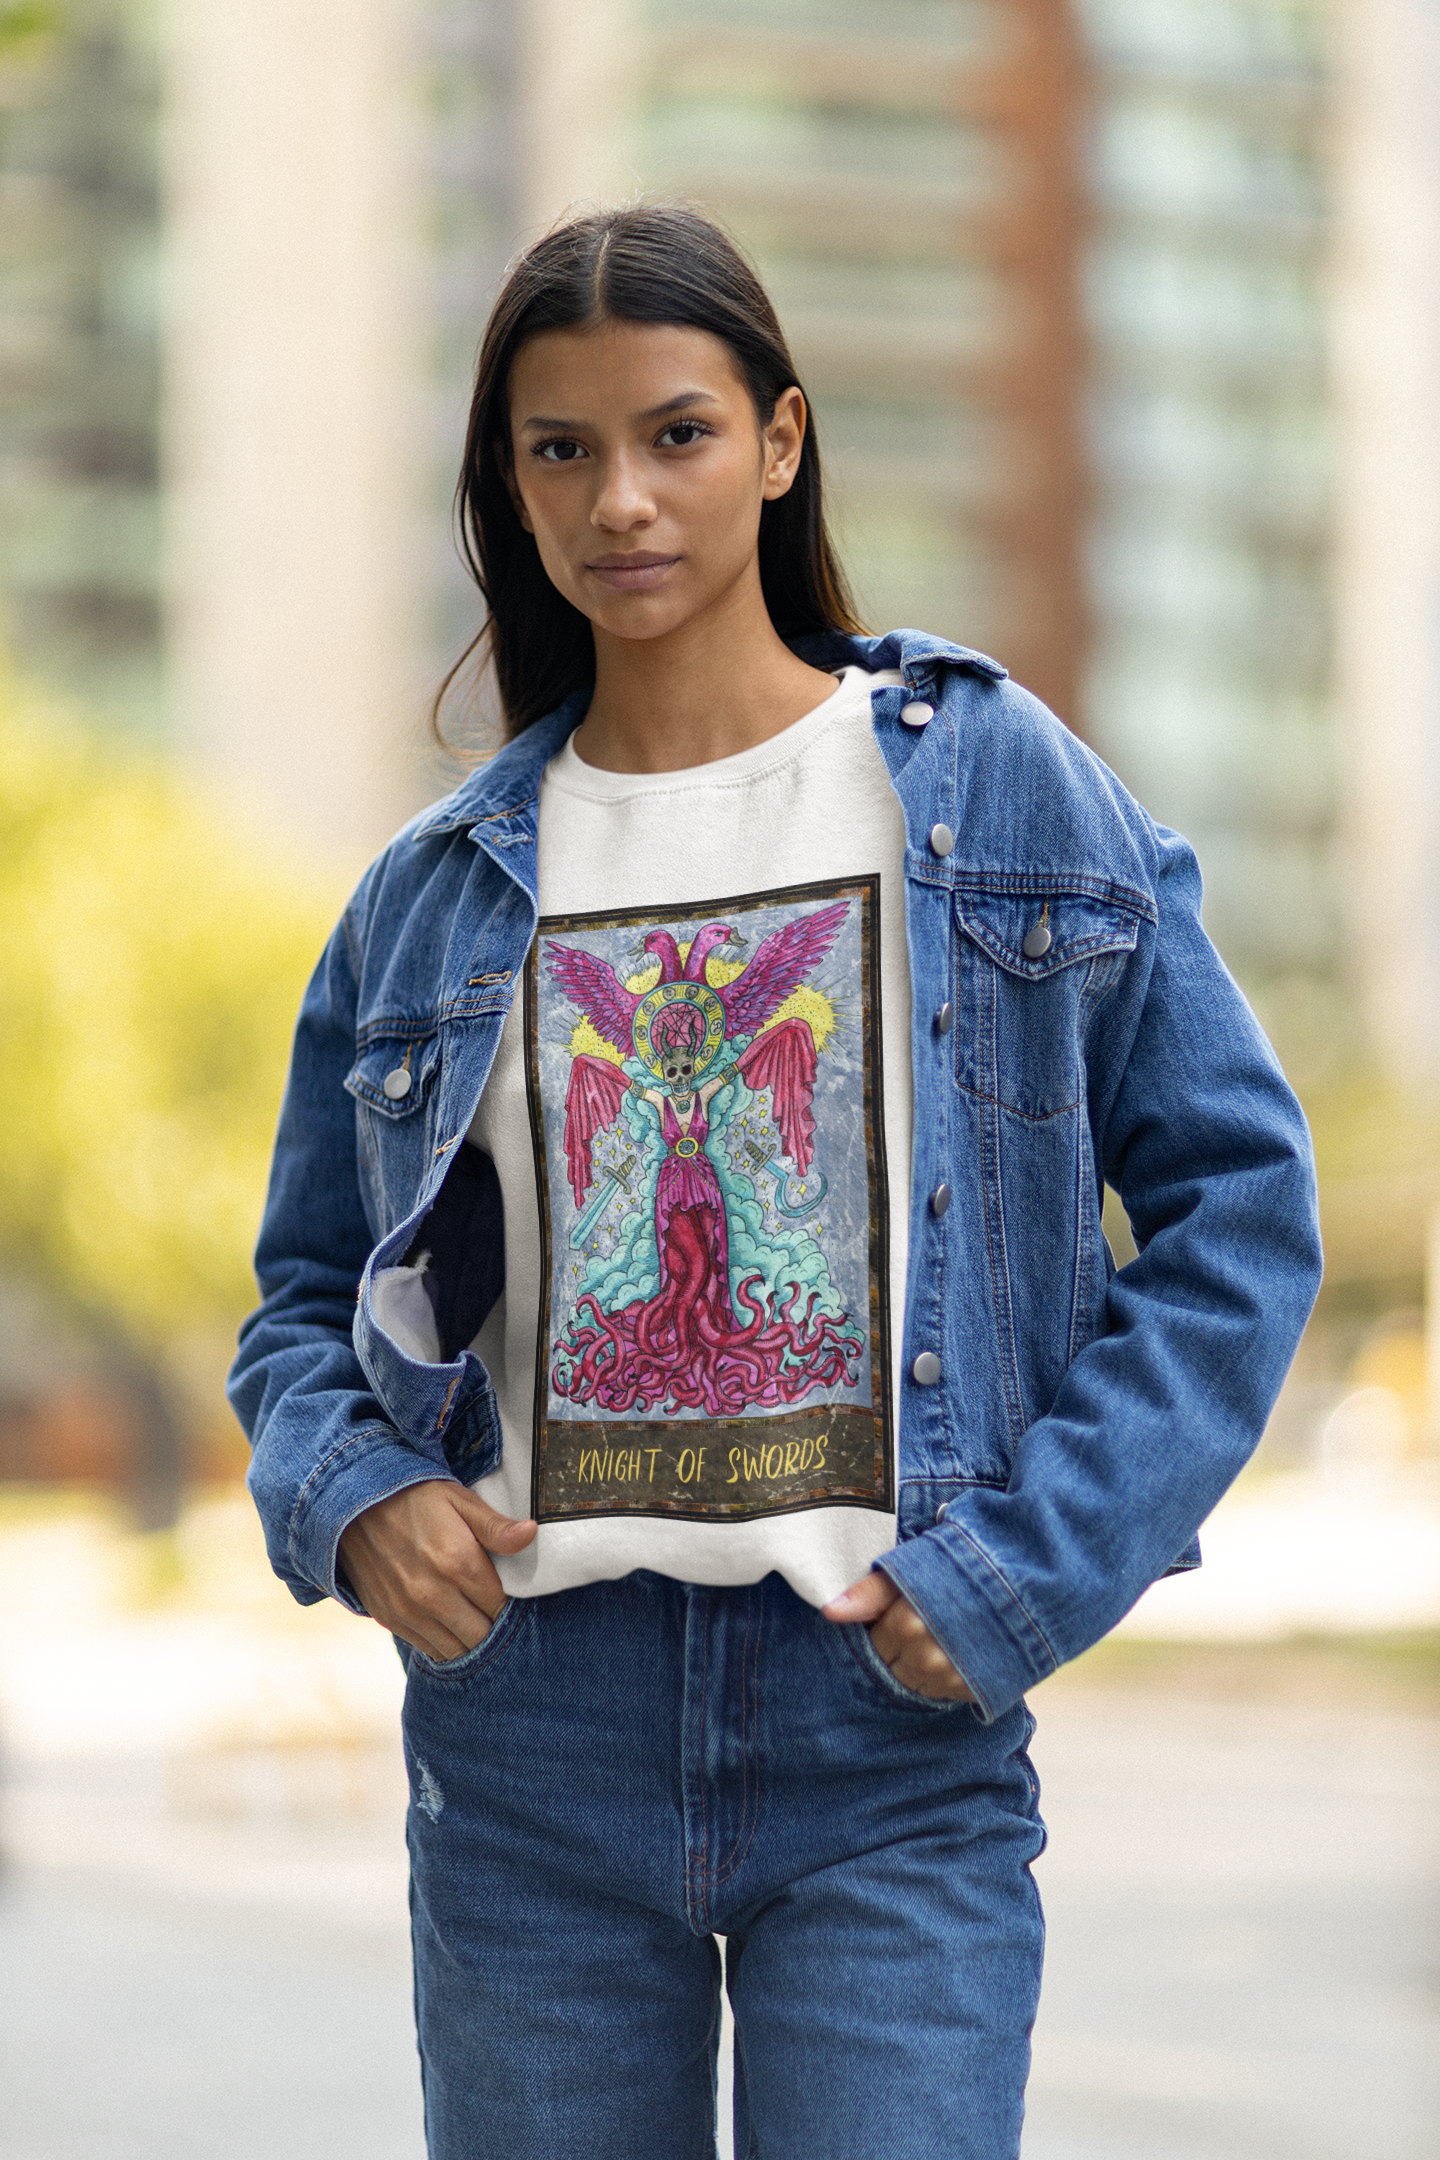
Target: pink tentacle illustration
684 1349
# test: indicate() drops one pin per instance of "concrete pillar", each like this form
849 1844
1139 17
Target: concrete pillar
583 70
290 415
1388 385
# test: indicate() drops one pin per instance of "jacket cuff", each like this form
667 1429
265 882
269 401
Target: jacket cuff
368 1467
973 1614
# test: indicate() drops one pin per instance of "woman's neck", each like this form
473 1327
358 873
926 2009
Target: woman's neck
718 685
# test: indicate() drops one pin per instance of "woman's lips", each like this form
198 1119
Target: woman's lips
632 573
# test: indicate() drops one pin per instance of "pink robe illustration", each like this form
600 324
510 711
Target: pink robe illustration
687 1346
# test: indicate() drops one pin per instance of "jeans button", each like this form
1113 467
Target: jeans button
945 1018
940 1200
942 1511
926 1369
942 840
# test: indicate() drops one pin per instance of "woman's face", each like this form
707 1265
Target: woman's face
640 468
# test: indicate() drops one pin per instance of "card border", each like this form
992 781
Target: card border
867 889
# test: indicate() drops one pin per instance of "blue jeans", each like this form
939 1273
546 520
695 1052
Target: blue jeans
622 1772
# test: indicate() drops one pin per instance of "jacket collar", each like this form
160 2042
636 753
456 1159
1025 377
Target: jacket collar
507 786
917 654
509 783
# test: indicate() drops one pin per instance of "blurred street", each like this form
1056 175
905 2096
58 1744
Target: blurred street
202 1921
1243 1896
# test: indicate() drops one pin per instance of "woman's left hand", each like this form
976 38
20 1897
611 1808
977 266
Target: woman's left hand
900 1636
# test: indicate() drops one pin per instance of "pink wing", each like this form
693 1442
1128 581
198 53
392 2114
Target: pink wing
783 1059
781 964
594 986
592 1101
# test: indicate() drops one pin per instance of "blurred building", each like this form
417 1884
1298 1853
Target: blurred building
909 179
1120 317
80 601
1209 680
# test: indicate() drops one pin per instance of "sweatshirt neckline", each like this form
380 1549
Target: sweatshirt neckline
568 771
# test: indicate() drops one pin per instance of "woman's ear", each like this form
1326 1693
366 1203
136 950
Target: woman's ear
506 464
784 438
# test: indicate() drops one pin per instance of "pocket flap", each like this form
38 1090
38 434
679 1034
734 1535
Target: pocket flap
1070 925
389 1058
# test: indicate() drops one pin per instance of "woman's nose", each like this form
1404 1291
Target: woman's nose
623 501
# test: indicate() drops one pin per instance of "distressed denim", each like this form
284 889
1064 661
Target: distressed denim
1085 1420
621 1772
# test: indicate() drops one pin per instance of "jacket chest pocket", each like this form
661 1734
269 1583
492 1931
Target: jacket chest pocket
395 1083
1029 968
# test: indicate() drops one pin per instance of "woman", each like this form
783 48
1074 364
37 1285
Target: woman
722 1520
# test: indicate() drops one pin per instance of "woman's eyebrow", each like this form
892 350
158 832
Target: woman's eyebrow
686 397
654 412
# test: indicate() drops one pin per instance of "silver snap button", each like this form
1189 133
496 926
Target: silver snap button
917 713
941 839
926 1369
398 1084
945 1019
942 1511
1037 942
940 1200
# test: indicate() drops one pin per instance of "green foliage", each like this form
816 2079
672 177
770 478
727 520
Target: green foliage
23 20
150 969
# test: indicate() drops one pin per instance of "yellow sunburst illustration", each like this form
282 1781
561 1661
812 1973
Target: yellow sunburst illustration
811 1006
585 1042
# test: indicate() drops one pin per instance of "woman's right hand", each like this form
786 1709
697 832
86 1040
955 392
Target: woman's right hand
420 1564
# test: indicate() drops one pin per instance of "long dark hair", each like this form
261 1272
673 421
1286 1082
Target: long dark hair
656 263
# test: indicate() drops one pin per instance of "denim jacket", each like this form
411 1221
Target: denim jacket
1086 1420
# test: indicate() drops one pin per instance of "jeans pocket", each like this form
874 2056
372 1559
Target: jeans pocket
878 1672
503 1630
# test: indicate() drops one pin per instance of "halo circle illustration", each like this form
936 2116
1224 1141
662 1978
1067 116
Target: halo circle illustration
702 997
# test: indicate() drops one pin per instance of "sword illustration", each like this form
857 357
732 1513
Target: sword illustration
760 1159
619 1176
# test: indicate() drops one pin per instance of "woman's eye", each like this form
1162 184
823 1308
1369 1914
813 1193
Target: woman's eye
681 433
560 451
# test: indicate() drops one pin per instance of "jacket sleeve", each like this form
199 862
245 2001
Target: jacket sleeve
1208 1148
322 1448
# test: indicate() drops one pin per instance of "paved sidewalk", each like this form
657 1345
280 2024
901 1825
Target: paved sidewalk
209 1959
1243 1899
202 1905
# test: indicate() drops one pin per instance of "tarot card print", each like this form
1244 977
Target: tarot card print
706 1110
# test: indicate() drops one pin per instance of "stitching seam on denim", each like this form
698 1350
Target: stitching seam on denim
1027 884
994 1205
521 1608
326 1465
1039 971
1031 1117
995 1574
393 1027
1097 984
887 1678
703 1899
736 1858
490 816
